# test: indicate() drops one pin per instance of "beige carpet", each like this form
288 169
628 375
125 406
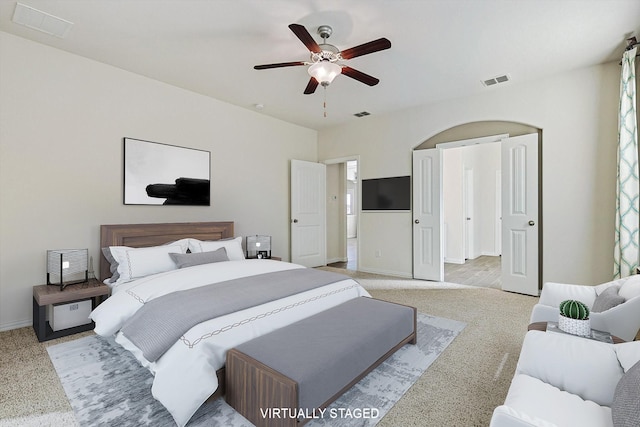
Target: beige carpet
472 376
376 281
30 392
461 388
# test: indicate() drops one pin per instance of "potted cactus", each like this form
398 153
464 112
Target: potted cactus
574 318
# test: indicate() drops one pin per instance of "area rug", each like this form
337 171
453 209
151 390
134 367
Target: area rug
106 386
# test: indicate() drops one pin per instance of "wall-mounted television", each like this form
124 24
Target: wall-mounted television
386 194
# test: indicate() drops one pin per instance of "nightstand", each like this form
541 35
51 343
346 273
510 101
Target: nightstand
44 295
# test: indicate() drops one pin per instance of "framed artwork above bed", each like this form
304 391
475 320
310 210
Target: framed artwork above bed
163 174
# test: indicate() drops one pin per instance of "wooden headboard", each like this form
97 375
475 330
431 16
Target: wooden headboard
143 235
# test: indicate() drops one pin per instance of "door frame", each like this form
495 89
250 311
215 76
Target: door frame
340 160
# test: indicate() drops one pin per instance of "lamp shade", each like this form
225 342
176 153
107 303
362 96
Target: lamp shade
259 246
324 71
67 266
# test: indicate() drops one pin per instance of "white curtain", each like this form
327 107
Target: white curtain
626 234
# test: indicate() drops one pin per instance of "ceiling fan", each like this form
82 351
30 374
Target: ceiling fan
324 63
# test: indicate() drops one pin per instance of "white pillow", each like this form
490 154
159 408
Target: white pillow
134 263
630 288
232 246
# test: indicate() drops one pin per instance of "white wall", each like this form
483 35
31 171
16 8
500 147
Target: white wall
577 112
62 121
484 161
352 219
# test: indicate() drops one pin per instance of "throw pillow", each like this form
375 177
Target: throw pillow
189 260
233 247
625 409
630 288
113 265
609 298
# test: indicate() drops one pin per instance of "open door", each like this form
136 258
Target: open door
308 213
428 256
518 224
520 214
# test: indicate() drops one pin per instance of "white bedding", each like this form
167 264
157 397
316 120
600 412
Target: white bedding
185 376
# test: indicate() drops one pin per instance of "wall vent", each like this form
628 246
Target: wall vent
41 21
362 114
496 80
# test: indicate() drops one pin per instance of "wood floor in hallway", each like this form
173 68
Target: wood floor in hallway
352 256
484 271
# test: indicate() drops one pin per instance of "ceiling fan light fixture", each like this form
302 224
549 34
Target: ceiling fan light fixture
324 72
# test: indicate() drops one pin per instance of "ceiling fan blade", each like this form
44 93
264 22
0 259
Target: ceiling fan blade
304 36
279 65
360 76
364 49
311 86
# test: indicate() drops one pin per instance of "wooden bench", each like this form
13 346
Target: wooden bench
307 365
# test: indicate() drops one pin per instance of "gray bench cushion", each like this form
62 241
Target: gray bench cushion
327 351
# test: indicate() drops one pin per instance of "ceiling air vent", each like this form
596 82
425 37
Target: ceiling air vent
41 21
362 114
495 80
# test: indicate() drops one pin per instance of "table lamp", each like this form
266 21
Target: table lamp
67 267
259 246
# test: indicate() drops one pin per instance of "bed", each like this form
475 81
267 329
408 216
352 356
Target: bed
190 370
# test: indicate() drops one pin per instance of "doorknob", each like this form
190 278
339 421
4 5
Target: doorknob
532 223
417 221
295 221
468 219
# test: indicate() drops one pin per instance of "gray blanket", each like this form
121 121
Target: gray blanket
158 324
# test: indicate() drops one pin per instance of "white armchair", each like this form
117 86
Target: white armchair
622 320
564 380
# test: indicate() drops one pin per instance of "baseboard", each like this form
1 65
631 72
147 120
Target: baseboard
489 254
386 272
462 261
16 325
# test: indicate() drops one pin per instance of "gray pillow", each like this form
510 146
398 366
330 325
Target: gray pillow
191 259
625 409
113 264
609 298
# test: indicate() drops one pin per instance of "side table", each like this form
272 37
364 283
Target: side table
44 295
542 326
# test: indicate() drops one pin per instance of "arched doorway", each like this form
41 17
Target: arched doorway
518 262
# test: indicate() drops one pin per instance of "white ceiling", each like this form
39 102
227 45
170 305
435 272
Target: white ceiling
441 49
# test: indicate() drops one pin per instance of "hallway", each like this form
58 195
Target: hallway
352 256
483 271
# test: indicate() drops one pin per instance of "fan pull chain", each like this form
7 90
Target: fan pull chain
324 104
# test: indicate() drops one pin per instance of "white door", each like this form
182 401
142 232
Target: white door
428 254
308 213
520 214
498 214
469 225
